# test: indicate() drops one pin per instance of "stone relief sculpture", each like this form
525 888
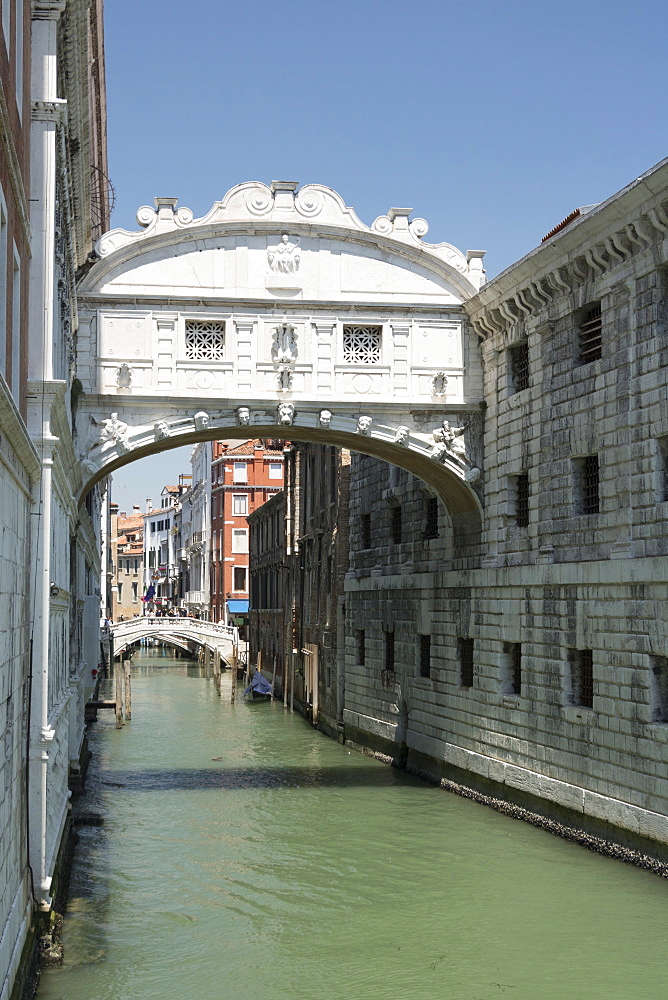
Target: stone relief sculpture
438 384
124 377
284 347
449 440
364 424
401 435
284 378
201 421
115 432
285 257
160 430
325 418
243 416
286 413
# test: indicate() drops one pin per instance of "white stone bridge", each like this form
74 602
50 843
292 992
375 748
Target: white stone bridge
281 315
222 640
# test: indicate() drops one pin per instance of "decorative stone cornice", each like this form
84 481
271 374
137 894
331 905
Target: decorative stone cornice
283 205
49 111
594 246
47 10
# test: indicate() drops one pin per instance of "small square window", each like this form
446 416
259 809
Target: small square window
240 472
239 540
275 470
362 344
205 341
522 500
431 518
425 656
590 334
519 366
239 578
396 526
582 677
587 470
240 504
465 650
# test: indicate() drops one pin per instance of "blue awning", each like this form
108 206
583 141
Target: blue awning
237 607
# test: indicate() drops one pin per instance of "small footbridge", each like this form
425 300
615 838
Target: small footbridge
219 639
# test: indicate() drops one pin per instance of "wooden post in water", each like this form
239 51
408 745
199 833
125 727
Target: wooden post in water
128 691
233 693
292 681
118 690
216 670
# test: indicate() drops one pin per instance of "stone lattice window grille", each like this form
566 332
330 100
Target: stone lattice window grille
465 651
205 340
590 334
362 344
582 677
519 366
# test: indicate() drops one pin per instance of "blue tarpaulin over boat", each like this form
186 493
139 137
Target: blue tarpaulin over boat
259 684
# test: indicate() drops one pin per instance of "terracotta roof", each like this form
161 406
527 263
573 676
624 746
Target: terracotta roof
250 447
575 214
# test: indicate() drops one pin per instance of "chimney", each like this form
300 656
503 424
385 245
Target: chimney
149 505
136 509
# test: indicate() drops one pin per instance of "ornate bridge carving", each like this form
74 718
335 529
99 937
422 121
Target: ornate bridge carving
280 314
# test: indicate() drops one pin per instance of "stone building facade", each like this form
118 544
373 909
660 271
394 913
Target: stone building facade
537 668
126 543
54 201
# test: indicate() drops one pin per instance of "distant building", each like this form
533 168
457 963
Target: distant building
196 532
242 479
127 559
161 564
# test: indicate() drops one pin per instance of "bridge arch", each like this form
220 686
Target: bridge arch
280 314
222 640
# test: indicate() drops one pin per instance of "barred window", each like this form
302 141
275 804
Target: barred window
361 647
522 500
365 522
659 688
389 652
513 667
662 469
361 344
519 366
396 526
465 662
582 677
205 341
590 334
425 656
588 473
431 518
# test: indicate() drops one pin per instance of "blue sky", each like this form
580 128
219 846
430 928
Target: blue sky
492 120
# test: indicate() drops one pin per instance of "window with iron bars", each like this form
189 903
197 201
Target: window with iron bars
389 652
513 667
361 647
659 688
590 334
425 656
431 517
365 524
465 662
519 366
362 344
662 469
588 472
205 341
522 499
582 677
396 527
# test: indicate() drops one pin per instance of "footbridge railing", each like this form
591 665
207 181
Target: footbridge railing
220 639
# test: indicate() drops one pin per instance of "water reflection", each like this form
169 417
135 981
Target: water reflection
321 873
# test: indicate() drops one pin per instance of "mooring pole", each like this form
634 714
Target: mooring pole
128 691
233 693
118 691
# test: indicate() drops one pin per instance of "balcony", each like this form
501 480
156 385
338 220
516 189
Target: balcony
200 597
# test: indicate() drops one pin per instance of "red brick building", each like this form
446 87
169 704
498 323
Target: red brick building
242 479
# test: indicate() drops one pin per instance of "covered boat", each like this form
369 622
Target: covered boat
259 687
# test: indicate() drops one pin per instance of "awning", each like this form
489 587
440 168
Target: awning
237 607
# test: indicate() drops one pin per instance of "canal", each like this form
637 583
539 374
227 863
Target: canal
245 856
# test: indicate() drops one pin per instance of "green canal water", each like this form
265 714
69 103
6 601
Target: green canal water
294 868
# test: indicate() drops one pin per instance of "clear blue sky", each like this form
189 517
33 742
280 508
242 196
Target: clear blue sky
493 120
